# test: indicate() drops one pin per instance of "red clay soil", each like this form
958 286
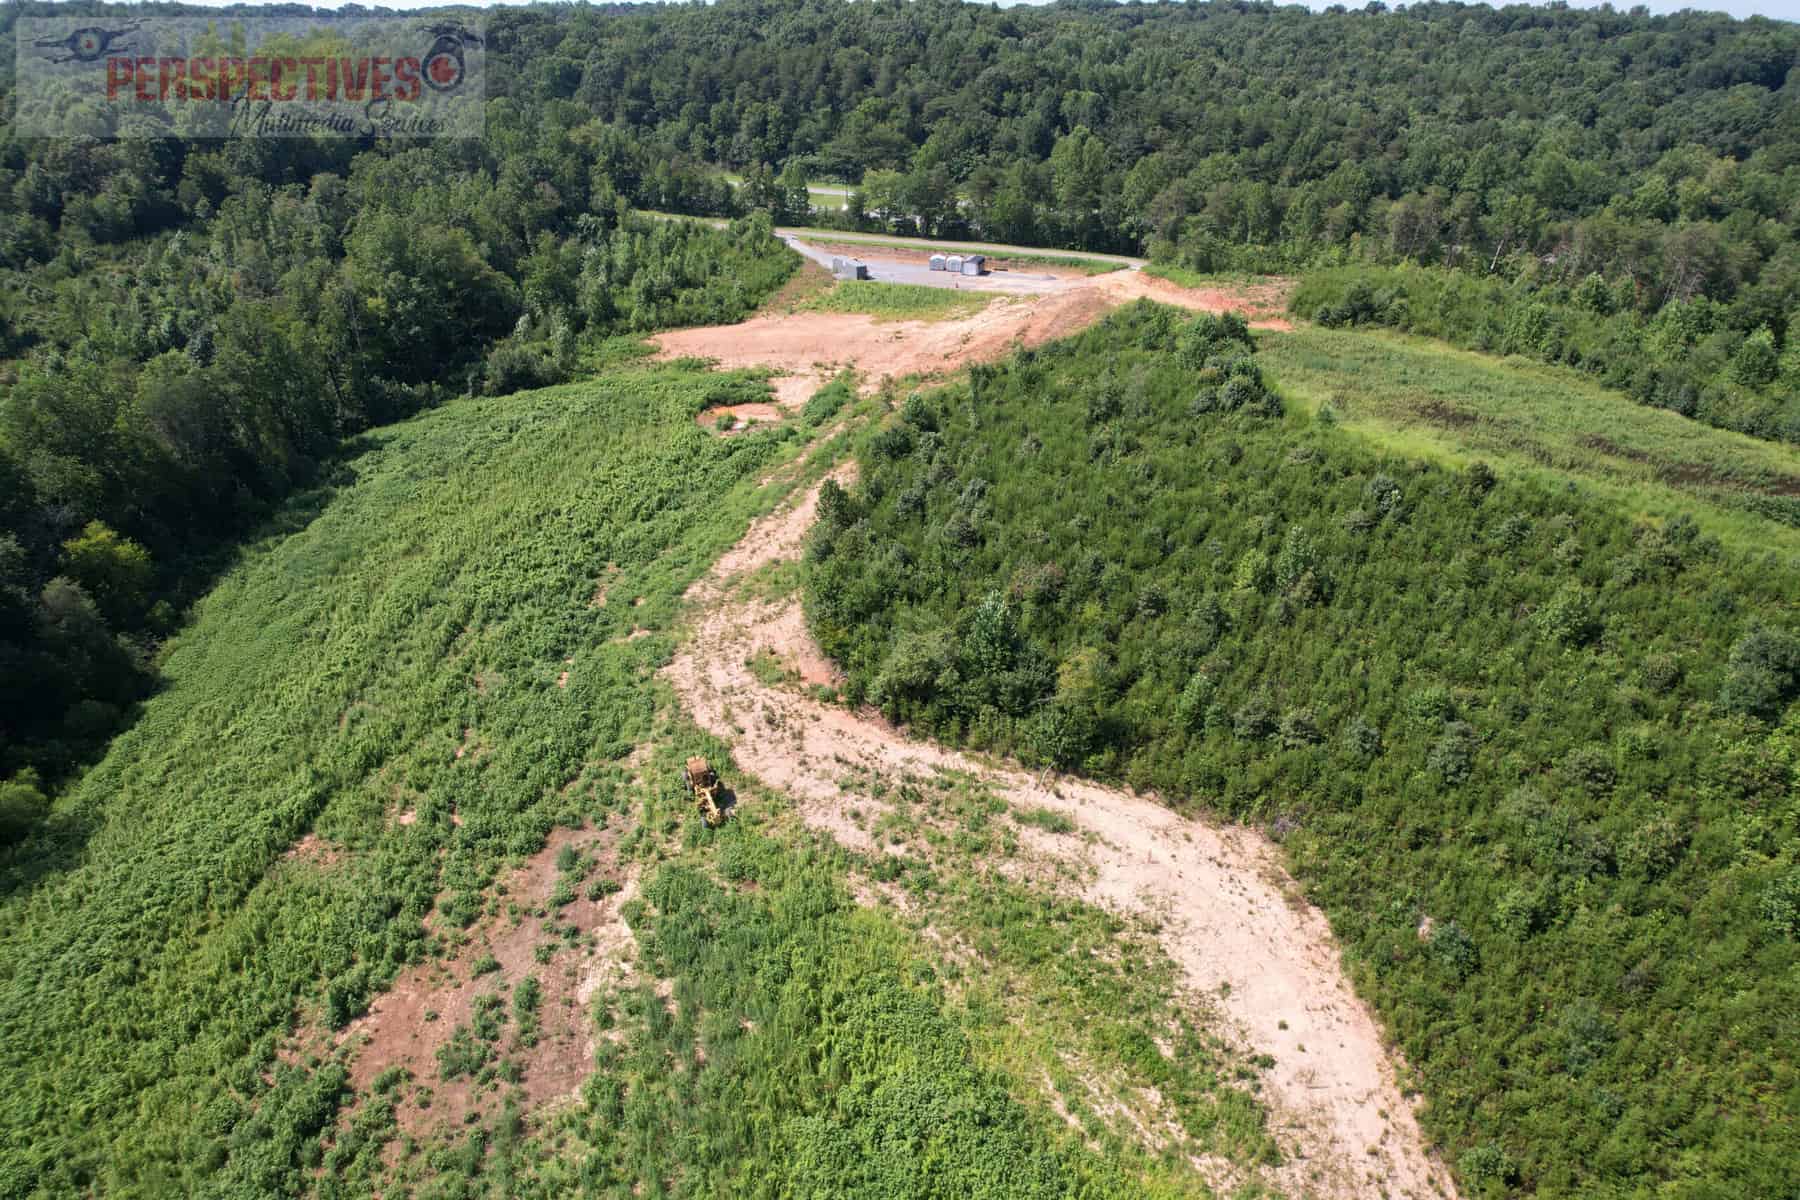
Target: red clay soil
816 344
396 1031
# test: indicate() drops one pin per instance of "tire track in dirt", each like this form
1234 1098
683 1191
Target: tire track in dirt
1230 917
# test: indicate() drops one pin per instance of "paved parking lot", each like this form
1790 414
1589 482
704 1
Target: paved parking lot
913 266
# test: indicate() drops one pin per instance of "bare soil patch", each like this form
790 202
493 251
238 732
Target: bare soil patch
1229 916
314 851
407 1025
728 419
803 343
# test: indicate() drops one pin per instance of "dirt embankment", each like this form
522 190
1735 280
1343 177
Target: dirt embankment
808 347
1230 917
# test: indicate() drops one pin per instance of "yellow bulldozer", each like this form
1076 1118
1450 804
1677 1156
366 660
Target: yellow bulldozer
703 786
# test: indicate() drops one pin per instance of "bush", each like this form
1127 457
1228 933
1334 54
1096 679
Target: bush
1762 673
22 805
1781 904
1568 619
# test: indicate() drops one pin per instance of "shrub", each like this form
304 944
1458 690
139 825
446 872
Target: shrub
1781 903
1362 738
1589 769
1568 619
1452 949
1487 1162
1762 672
22 805
1299 728
1452 756
1429 707
894 442
1195 698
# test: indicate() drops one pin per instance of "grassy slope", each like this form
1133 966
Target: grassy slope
898 301
1499 710
326 683
158 943
1434 402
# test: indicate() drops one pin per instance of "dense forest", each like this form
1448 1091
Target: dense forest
1540 762
1554 162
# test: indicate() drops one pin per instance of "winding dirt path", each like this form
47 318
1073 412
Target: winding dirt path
1231 918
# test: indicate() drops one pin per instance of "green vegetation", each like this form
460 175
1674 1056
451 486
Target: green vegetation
147 425
391 645
1455 407
1538 760
899 301
1714 361
805 1046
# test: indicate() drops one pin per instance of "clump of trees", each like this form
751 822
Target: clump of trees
1567 737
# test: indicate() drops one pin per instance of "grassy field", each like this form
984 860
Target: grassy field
1432 401
897 301
817 194
424 670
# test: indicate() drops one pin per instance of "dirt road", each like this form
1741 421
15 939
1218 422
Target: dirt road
1230 917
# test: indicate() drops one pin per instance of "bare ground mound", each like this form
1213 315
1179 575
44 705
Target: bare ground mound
803 343
1230 917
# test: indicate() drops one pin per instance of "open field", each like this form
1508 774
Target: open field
1430 400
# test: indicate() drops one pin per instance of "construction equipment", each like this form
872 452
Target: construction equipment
703 786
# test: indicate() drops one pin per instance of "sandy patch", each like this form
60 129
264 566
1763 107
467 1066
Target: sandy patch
314 850
792 391
1229 915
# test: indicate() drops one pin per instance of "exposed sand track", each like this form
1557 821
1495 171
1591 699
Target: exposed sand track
1230 917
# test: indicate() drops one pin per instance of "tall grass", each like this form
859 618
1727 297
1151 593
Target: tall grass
1429 400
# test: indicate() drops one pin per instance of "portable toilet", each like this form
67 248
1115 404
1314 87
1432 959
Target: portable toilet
975 264
937 262
954 264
